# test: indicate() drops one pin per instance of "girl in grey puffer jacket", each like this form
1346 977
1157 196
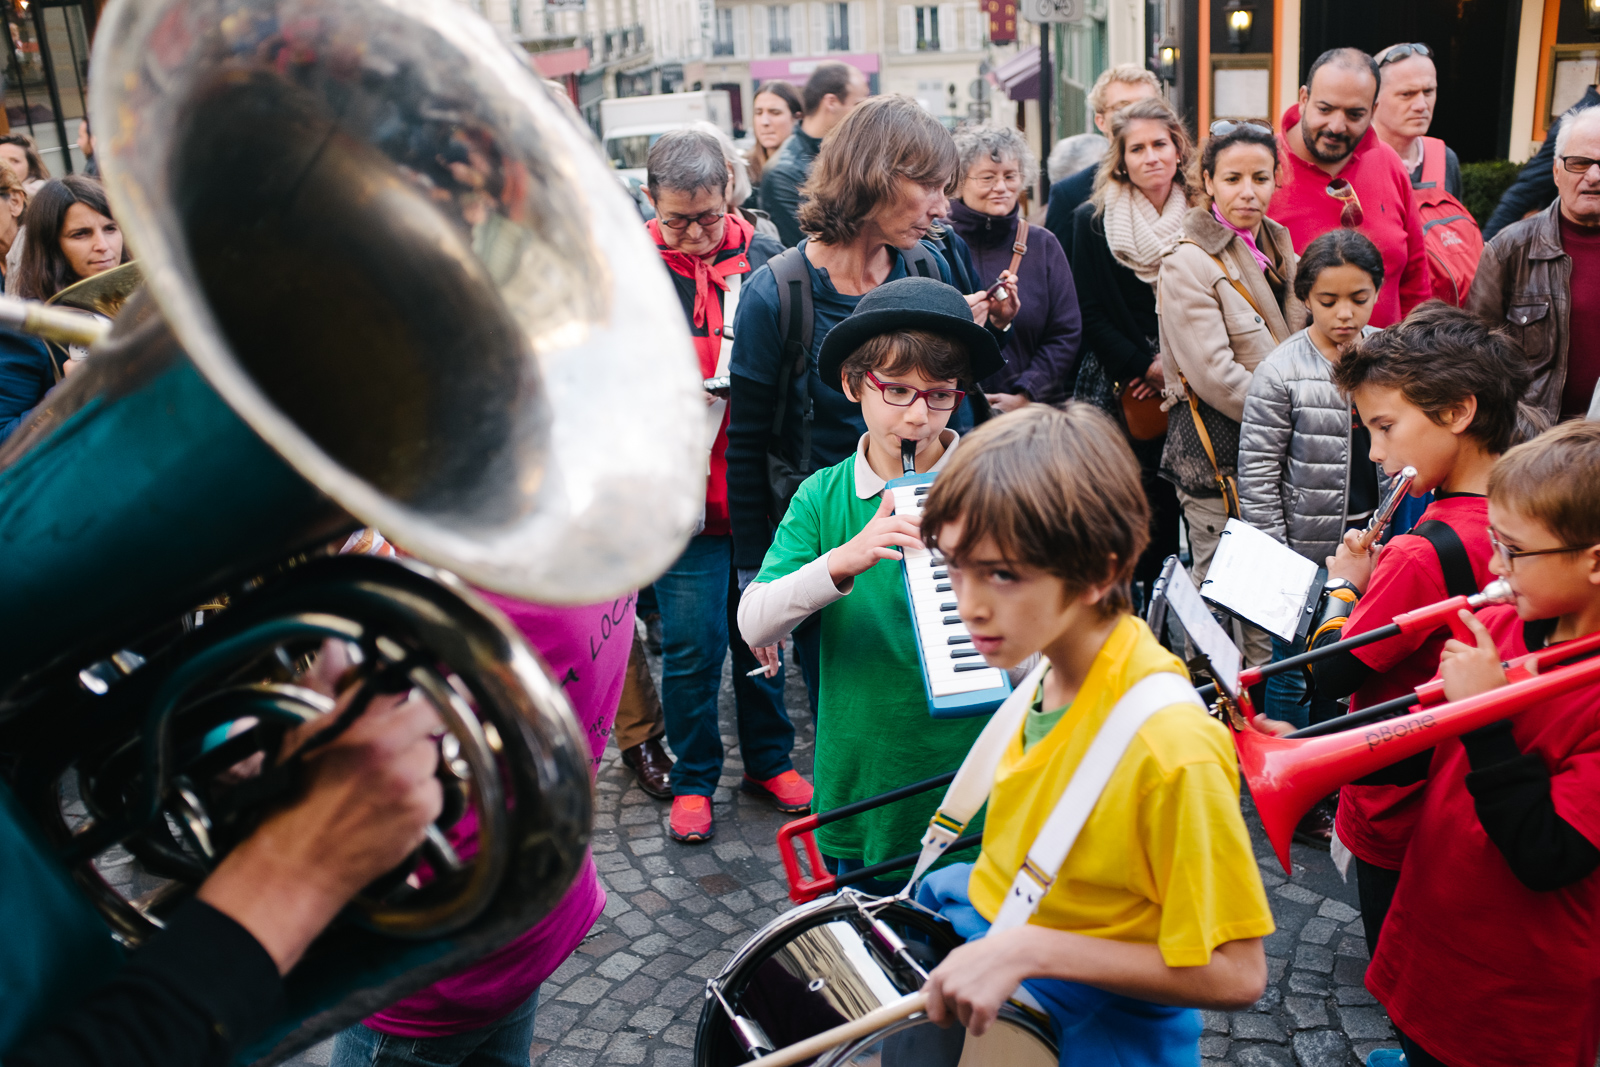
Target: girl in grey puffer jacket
1298 479
1295 466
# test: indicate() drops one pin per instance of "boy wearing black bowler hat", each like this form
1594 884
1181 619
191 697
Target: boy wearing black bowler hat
905 355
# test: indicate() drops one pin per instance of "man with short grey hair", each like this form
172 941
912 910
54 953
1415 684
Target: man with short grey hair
1072 154
1115 89
708 250
1407 95
1539 279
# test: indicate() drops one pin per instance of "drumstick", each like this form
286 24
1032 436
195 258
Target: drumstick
874 1020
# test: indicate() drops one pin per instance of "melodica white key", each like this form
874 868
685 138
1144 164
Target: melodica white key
957 680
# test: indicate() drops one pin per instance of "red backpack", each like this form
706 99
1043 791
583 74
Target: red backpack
1449 232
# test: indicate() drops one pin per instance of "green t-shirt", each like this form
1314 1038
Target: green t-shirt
874 732
1038 722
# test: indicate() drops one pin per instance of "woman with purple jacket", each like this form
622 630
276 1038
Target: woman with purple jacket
1042 353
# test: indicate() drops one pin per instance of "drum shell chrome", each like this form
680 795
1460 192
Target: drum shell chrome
833 970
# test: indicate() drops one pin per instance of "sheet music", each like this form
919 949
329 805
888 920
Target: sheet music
1259 580
1202 629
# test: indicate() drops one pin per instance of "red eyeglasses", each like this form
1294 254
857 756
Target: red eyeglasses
903 396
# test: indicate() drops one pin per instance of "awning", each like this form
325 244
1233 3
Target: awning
1018 77
562 61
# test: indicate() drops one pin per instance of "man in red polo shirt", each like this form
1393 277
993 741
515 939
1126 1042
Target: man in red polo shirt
1332 146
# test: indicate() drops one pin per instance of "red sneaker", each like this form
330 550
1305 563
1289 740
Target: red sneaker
691 819
788 791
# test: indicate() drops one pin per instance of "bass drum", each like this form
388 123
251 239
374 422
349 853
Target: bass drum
836 959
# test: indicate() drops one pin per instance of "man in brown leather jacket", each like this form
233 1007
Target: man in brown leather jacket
1539 279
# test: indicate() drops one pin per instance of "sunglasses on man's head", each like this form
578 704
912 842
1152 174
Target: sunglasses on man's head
1223 127
1405 51
1351 215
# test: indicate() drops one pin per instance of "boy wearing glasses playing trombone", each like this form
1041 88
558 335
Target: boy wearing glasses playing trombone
903 355
1488 955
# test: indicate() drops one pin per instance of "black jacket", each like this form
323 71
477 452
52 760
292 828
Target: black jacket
781 182
192 997
1535 187
1065 196
1119 310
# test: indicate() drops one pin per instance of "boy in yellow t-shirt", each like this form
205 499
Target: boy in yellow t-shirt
1158 908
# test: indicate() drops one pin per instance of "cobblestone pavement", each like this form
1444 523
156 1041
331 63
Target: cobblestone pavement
632 994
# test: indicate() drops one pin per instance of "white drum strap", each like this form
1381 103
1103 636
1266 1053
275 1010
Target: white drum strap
973 781
730 306
1049 850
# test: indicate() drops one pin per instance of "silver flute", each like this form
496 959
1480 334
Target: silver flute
1386 510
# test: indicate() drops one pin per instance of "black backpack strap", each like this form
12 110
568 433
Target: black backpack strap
922 261
1453 559
794 291
959 277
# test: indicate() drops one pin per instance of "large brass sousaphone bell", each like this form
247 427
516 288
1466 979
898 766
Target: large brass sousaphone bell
387 283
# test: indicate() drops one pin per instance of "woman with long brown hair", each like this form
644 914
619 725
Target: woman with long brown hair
71 236
1119 237
776 110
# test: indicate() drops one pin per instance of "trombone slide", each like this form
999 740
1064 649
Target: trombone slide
1523 667
1287 776
61 325
1419 620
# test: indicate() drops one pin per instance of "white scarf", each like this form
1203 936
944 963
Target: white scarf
1138 234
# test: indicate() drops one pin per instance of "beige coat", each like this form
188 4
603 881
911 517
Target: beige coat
1209 332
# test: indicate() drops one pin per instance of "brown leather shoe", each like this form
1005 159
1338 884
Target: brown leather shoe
652 766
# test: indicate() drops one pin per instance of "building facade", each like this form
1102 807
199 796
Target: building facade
935 52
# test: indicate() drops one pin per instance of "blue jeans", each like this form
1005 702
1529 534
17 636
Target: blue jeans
807 646
1092 1027
699 599
1287 691
501 1044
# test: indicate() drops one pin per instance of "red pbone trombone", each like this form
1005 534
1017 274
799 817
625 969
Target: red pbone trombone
1421 620
1287 775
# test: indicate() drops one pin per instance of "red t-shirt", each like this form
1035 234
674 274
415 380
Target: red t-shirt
1375 821
1474 965
1389 216
1583 333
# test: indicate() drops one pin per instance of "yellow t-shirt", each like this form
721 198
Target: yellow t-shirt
1165 858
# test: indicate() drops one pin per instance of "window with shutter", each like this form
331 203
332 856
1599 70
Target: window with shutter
760 32
797 30
927 28
778 39
949 37
908 29
837 23
972 27
741 32
722 39
858 25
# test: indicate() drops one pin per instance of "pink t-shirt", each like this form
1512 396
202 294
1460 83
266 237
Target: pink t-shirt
586 649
